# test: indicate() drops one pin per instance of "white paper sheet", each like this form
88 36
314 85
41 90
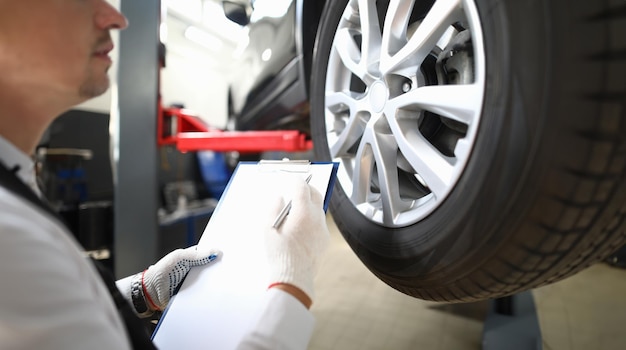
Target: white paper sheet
217 302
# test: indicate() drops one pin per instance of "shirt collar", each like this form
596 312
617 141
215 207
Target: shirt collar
14 158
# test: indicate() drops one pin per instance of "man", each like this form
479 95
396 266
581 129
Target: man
54 54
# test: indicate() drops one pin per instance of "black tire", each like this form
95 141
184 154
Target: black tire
543 192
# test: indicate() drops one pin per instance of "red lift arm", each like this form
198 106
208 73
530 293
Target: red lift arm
180 127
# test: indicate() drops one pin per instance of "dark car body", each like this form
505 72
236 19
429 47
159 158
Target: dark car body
269 87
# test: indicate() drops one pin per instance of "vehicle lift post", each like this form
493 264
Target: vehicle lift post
512 324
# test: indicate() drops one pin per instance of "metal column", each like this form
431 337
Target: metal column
136 187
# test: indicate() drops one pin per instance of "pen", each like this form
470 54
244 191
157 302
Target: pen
283 213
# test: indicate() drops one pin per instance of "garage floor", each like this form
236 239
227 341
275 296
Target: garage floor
355 310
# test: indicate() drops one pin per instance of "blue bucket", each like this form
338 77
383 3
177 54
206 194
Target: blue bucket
214 171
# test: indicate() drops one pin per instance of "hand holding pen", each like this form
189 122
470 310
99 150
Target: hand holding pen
285 211
294 249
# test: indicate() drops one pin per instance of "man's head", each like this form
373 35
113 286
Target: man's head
56 50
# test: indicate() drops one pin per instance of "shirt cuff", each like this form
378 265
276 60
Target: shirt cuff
283 323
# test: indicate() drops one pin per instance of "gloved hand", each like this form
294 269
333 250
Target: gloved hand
294 248
151 290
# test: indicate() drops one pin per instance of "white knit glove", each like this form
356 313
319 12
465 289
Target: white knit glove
294 248
154 287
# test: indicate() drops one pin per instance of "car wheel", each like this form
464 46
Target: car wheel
482 143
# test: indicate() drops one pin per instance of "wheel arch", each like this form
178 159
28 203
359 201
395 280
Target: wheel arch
308 15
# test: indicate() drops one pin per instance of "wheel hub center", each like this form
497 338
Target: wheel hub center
378 96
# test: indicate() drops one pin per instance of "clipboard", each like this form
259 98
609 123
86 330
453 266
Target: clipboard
216 304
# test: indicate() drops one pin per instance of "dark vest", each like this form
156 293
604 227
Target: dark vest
137 331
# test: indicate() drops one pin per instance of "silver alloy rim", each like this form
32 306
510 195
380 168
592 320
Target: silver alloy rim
403 105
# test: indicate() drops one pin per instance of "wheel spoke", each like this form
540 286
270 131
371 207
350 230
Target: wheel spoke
342 100
433 26
395 26
350 54
371 36
350 134
362 174
378 151
434 168
386 154
457 102
362 62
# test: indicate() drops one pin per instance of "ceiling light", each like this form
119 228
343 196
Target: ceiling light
203 38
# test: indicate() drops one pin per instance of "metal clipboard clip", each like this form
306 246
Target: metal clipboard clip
287 165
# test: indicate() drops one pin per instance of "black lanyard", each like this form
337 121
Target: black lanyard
10 181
